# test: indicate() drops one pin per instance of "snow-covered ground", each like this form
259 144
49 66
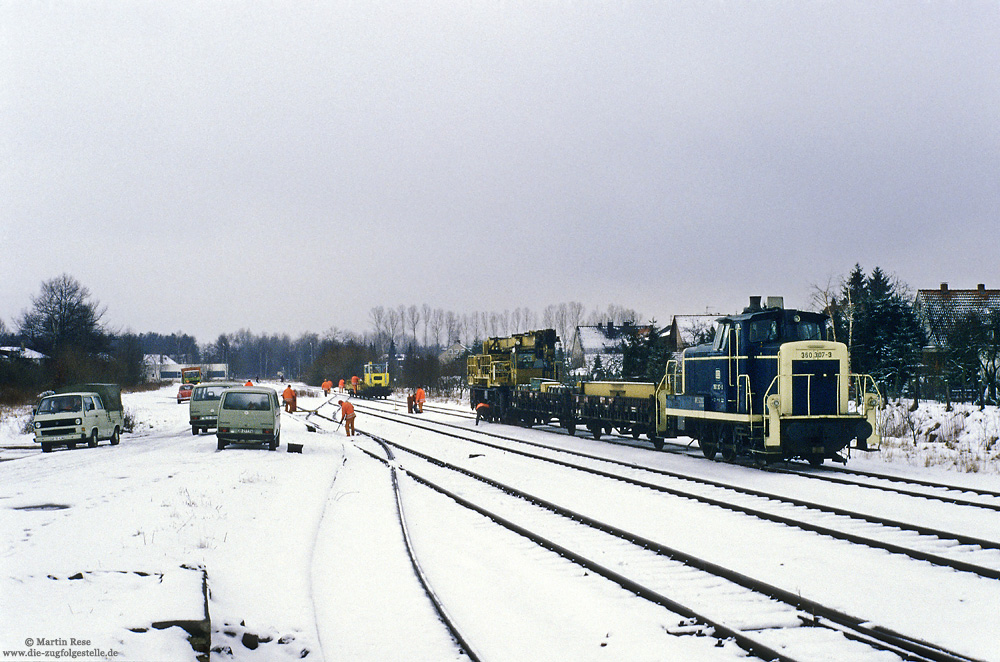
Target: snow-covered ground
303 556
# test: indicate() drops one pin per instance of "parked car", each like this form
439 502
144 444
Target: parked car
184 393
249 415
85 413
204 408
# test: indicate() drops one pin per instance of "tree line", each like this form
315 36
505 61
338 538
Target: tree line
872 313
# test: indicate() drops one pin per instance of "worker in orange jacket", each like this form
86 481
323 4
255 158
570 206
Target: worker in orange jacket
288 395
249 383
326 386
418 400
347 416
482 412
341 385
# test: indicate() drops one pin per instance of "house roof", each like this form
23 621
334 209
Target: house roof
942 308
158 359
607 339
22 352
690 326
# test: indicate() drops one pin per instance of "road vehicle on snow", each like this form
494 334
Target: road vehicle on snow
249 414
184 392
77 414
203 409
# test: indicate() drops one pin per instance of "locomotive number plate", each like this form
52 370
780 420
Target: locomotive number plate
817 354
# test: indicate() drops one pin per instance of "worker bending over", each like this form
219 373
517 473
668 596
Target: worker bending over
347 417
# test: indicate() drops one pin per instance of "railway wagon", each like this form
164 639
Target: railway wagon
769 385
508 362
600 407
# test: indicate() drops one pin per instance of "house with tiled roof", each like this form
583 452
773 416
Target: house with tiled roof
941 311
942 308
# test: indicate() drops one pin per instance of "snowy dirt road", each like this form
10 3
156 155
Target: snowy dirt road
304 557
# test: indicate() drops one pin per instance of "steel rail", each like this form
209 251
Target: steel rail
449 621
929 557
852 627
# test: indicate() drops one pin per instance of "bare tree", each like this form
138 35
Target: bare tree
530 319
516 320
824 299
574 316
472 324
380 325
426 313
413 320
451 323
437 323
549 317
394 323
63 317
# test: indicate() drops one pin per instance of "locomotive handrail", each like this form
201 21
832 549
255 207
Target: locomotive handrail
672 375
860 383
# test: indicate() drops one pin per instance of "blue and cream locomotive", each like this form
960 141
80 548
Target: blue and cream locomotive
771 385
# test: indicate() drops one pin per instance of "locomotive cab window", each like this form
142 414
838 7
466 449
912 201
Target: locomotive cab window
803 330
525 360
721 336
763 330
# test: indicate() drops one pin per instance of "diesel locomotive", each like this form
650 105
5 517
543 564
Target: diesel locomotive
771 385
375 383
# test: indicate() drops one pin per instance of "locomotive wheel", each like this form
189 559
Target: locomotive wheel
815 460
708 448
709 440
727 444
595 429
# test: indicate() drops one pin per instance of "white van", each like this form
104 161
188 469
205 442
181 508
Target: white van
249 414
85 413
203 408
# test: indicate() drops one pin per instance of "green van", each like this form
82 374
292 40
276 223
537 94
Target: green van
203 409
248 415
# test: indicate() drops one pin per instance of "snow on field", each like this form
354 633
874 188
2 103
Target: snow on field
301 551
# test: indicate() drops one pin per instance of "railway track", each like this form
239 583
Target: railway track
439 607
958 551
912 487
765 620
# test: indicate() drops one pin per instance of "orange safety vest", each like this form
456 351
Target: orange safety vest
348 409
288 394
420 395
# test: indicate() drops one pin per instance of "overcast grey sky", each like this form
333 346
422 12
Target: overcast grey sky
286 166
